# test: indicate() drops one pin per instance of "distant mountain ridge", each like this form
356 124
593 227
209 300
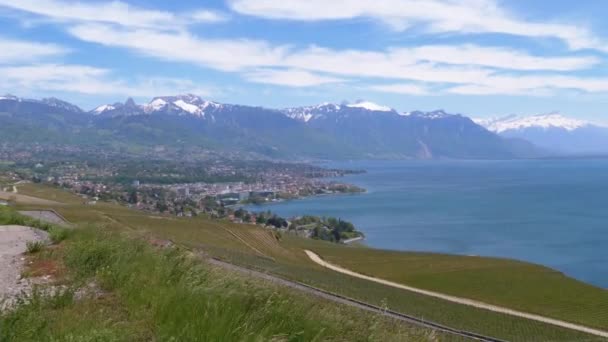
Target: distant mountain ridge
332 131
555 133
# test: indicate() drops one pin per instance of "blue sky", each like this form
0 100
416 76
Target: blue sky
477 57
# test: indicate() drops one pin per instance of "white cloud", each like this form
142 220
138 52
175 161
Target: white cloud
290 78
379 64
530 85
497 57
112 12
207 16
460 69
401 88
115 12
514 82
456 65
82 79
20 51
474 89
453 16
227 55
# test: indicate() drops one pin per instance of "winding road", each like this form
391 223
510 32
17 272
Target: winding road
464 301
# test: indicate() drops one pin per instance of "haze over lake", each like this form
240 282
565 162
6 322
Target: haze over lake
551 212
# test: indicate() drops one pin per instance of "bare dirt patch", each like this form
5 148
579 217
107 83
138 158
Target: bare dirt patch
13 241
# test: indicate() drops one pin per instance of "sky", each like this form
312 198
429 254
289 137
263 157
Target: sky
482 58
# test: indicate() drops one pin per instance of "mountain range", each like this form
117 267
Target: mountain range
329 131
554 133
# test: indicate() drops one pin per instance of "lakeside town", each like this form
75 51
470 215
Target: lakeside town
213 186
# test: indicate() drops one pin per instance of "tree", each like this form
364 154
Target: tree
133 198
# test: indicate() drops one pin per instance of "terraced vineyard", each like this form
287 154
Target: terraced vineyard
497 281
522 286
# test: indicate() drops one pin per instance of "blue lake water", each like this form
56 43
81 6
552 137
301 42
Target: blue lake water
551 212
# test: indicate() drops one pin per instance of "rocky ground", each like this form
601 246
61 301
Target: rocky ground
13 241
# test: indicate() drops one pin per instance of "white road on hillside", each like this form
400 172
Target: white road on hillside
315 258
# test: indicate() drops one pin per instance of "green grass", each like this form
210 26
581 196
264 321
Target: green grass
58 234
507 283
146 294
11 217
32 247
49 193
450 314
514 284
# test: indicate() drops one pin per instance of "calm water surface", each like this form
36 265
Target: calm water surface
552 212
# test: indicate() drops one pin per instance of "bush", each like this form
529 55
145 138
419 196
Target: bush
57 234
32 247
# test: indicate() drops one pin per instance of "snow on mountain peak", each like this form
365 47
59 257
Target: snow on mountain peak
190 108
181 104
370 106
103 108
544 121
155 105
10 97
309 112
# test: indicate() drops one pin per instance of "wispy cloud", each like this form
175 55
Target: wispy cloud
113 12
20 51
227 55
453 16
208 16
466 69
82 79
496 57
290 78
530 85
401 88
457 65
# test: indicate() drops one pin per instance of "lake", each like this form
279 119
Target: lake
551 212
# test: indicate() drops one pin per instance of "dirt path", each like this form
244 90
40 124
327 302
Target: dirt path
315 258
12 246
24 199
50 216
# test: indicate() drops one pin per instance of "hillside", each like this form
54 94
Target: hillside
258 248
329 131
97 278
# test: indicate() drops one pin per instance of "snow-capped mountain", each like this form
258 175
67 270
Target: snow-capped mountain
180 105
370 106
381 130
53 102
103 108
9 97
331 110
349 130
546 121
307 113
118 109
57 103
552 132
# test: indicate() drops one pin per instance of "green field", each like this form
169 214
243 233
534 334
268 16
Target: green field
184 299
518 285
508 283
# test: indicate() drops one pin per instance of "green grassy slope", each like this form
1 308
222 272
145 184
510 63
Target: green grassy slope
144 294
260 248
509 283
